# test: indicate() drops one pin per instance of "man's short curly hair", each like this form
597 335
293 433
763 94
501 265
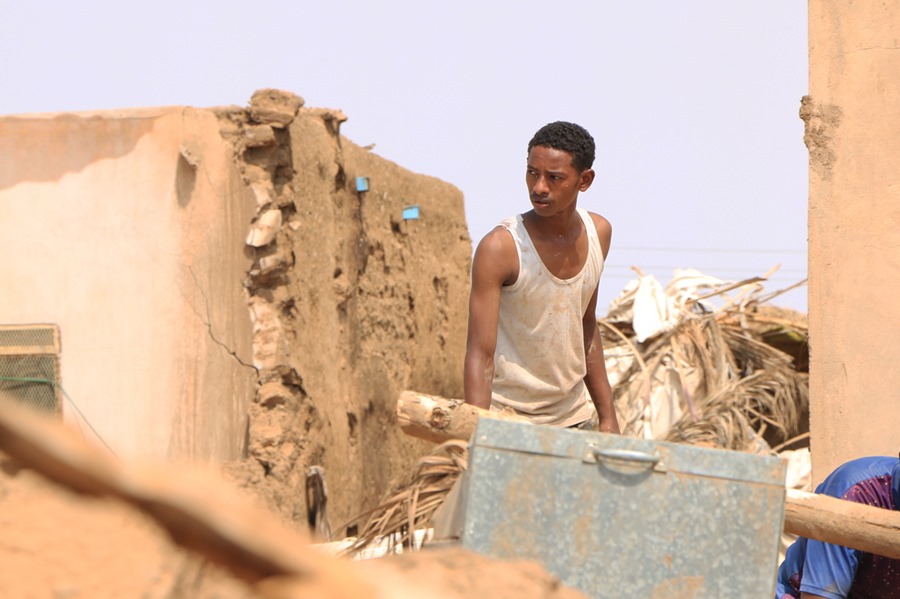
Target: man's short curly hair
567 137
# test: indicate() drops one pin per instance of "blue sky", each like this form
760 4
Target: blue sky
693 104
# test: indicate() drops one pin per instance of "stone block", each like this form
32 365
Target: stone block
277 261
273 394
263 231
258 136
274 107
262 192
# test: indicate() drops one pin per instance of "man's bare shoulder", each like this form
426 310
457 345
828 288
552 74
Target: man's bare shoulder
496 253
604 231
600 222
498 239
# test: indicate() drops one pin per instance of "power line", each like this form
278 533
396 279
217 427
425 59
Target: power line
770 279
28 379
705 269
777 276
706 250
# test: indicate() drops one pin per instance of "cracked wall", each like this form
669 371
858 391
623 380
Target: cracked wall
125 227
351 304
852 127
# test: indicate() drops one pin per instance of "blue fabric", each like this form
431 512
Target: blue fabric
895 485
830 571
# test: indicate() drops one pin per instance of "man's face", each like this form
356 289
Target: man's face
553 183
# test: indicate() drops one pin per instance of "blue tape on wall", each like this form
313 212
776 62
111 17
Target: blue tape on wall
411 212
362 184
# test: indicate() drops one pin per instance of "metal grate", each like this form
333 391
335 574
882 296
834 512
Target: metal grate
29 366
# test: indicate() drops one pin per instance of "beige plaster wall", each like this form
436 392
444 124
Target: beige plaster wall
126 229
853 134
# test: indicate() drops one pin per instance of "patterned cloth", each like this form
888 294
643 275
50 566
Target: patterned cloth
837 572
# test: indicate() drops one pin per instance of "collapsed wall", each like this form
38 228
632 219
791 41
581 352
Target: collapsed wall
352 302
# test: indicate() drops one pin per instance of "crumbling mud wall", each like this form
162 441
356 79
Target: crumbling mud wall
852 128
125 229
351 304
226 293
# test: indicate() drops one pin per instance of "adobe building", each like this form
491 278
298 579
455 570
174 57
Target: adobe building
236 284
852 117
110 236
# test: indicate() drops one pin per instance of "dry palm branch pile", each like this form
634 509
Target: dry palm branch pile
409 504
721 377
724 377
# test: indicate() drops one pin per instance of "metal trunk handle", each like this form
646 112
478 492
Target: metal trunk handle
650 460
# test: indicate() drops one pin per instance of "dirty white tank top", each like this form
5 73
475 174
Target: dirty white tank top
539 361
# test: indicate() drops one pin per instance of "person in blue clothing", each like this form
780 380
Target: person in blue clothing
813 569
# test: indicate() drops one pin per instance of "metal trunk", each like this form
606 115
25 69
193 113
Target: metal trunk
624 518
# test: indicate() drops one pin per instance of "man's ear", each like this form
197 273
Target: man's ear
585 179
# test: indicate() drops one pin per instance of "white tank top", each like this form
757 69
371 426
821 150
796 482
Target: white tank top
539 361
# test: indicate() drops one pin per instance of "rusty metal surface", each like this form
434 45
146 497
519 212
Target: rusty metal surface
625 518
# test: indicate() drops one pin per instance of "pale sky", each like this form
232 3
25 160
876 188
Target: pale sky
693 104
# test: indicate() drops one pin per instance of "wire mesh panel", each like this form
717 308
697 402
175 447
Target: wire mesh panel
29 366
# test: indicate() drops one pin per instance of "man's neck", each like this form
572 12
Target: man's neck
564 224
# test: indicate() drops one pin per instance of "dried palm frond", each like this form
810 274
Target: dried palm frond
410 504
717 374
731 417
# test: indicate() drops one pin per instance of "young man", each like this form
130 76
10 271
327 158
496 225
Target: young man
533 342
816 570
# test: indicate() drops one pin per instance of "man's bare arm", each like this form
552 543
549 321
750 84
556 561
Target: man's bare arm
494 265
597 380
604 232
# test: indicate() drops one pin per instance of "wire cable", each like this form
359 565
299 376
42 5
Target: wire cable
707 250
68 398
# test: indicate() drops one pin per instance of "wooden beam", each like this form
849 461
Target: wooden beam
839 522
438 419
